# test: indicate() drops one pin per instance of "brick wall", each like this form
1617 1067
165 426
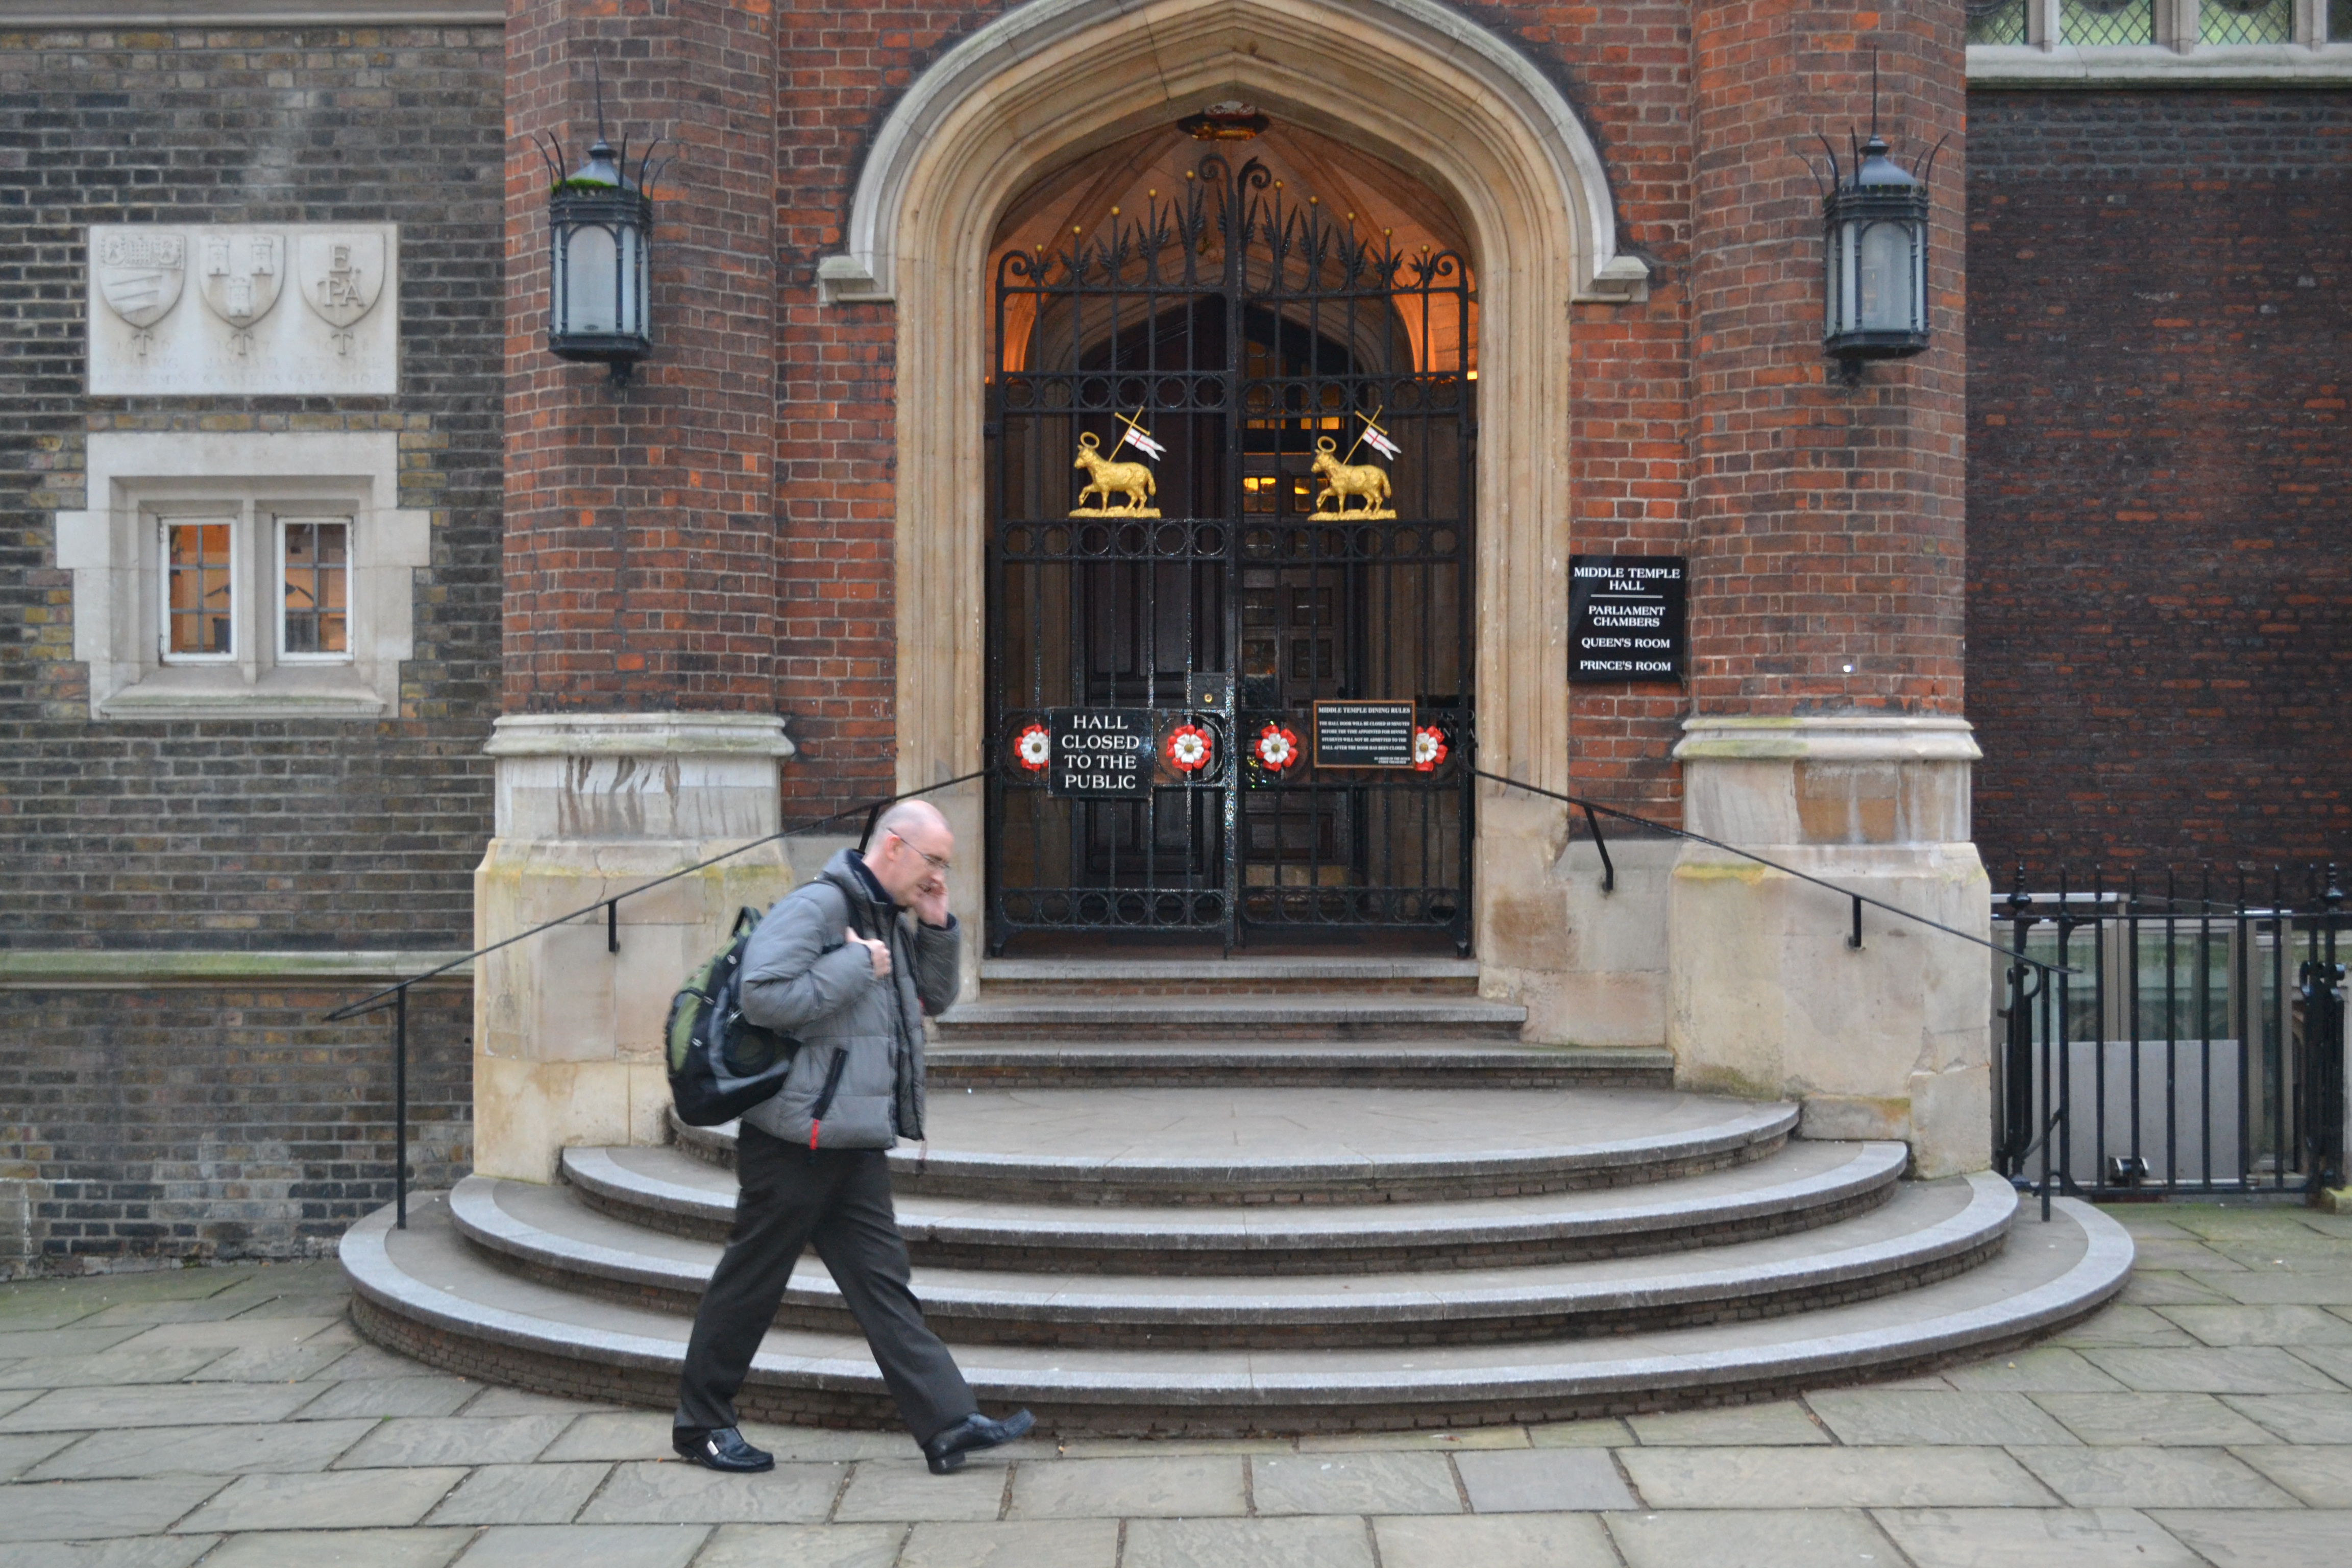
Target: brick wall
182 1122
2160 588
213 1124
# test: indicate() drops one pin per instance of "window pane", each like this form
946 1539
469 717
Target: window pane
1885 282
2107 21
2339 21
592 275
1997 21
2246 21
317 586
200 610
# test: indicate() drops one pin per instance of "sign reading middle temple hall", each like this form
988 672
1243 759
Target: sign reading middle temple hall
1626 617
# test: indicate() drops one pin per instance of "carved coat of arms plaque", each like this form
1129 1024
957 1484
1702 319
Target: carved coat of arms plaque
340 276
241 275
140 275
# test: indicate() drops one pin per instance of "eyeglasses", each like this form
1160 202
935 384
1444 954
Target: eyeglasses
938 863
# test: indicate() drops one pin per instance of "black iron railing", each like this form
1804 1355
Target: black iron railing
394 997
2185 1041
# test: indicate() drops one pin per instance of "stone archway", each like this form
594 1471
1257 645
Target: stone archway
1410 82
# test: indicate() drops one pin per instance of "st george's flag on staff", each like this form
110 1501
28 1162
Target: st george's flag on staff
1378 439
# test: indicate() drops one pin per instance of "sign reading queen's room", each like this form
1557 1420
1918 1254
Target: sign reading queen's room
194 310
1627 617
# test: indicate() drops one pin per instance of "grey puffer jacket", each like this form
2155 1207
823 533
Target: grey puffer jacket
802 975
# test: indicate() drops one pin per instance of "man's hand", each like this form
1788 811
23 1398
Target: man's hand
929 900
879 952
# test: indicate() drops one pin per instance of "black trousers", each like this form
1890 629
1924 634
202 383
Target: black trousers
841 1203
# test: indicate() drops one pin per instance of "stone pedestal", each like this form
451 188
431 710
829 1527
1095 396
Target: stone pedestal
1765 995
567 1035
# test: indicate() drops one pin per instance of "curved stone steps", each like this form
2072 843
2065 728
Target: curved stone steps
1803 1185
1297 1064
1242 1146
1924 1232
427 1293
1321 1016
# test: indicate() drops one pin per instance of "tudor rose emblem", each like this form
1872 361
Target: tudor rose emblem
140 277
341 275
241 274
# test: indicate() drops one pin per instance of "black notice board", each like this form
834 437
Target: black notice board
1099 754
1363 734
1627 617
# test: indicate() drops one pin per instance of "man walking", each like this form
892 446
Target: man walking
838 966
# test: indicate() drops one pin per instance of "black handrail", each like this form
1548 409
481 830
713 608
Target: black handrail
395 995
1853 937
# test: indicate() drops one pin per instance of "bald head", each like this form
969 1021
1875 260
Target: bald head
909 855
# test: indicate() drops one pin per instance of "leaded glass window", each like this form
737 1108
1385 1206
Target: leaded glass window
2108 22
1997 22
2246 21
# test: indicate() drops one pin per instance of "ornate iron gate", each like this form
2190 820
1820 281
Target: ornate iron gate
1266 423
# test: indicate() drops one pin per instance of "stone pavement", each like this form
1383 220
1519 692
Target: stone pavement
230 1416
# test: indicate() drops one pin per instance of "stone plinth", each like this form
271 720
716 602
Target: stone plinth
1765 995
567 1036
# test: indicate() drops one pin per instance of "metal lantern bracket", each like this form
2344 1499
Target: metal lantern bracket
601 196
1857 327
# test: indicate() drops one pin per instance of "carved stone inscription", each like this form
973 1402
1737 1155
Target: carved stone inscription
146 337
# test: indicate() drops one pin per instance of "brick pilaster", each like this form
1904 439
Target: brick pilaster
641 522
1827 523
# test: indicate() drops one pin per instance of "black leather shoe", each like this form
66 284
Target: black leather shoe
947 1450
721 1451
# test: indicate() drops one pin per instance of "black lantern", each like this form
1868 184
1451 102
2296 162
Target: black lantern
1875 248
600 225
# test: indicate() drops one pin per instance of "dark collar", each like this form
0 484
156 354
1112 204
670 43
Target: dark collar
873 889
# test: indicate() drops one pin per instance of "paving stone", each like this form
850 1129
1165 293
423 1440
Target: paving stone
241 1333
2150 1477
16 1398
1522 1541
367 1360
379 1397
519 1494
2223 1220
2249 1369
1872 1416
2289 1325
1738 1426
2034 1538
1830 1477
1133 1447
1543 1480
1182 1486
1606 1432
2301 1540
905 1489
1353 1484
1071 1543
2298 1418
2319 1476
1807 1538
142 1313
2188 1420
248 1449
2046 1369
1247 1544
2119 1327
803 1546
630 1435
1441 1442
2163 1290
341 1548
586 1546
523 1401
2285 1287
2335 1363
131 1551
456 1440
19 1454
110 1367
62 1342
823 1445
182 1405
354 1500
2163 1253
281 1363
90 1511
674 1493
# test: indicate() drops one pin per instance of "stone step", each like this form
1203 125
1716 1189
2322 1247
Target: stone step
1924 1232
1250 1145
1307 1064
427 1293
1217 1015
1805 1186
1015 979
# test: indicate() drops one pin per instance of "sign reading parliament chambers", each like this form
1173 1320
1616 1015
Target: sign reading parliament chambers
1626 617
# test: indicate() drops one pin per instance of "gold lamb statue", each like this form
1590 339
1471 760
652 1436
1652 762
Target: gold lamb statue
1131 479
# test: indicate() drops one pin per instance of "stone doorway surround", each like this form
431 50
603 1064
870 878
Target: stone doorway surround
1411 82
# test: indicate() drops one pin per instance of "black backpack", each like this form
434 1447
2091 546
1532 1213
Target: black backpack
720 1063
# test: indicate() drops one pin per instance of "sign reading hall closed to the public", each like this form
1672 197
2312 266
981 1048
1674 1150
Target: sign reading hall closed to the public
1626 617
1100 753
